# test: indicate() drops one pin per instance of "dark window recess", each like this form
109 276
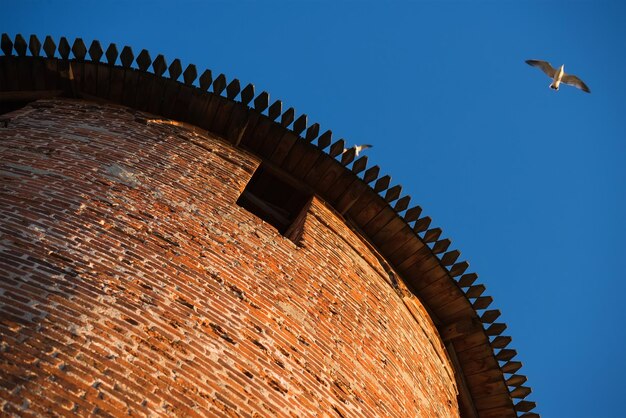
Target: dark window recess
8 106
6 110
278 201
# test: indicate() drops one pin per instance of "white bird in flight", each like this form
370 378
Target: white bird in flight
357 149
558 76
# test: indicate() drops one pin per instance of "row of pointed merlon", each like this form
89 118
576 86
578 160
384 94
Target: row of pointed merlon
233 91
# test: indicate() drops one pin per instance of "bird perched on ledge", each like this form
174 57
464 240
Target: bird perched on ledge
358 149
558 75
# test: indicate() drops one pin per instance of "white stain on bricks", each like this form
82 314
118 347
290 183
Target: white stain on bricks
20 168
82 327
79 138
297 314
37 232
122 175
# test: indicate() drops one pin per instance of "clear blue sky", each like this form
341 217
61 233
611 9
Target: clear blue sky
528 183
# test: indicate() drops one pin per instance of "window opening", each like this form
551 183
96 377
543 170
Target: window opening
277 200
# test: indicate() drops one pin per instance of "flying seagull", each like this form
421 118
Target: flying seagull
358 148
558 76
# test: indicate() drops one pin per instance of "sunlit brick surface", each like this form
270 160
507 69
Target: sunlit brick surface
131 283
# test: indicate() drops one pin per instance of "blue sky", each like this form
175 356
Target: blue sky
528 183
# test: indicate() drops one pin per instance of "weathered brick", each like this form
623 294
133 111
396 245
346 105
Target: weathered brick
148 291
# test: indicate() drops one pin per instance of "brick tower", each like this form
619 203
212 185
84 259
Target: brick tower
192 249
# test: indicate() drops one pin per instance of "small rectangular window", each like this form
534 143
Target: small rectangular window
277 200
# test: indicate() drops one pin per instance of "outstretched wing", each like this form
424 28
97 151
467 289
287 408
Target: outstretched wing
359 148
543 66
572 80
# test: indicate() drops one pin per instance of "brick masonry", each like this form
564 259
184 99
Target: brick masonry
131 283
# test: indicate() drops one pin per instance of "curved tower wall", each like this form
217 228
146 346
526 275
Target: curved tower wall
132 282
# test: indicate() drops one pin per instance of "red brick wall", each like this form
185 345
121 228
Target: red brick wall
131 282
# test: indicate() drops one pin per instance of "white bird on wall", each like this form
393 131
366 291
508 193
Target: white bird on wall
558 75
358 149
